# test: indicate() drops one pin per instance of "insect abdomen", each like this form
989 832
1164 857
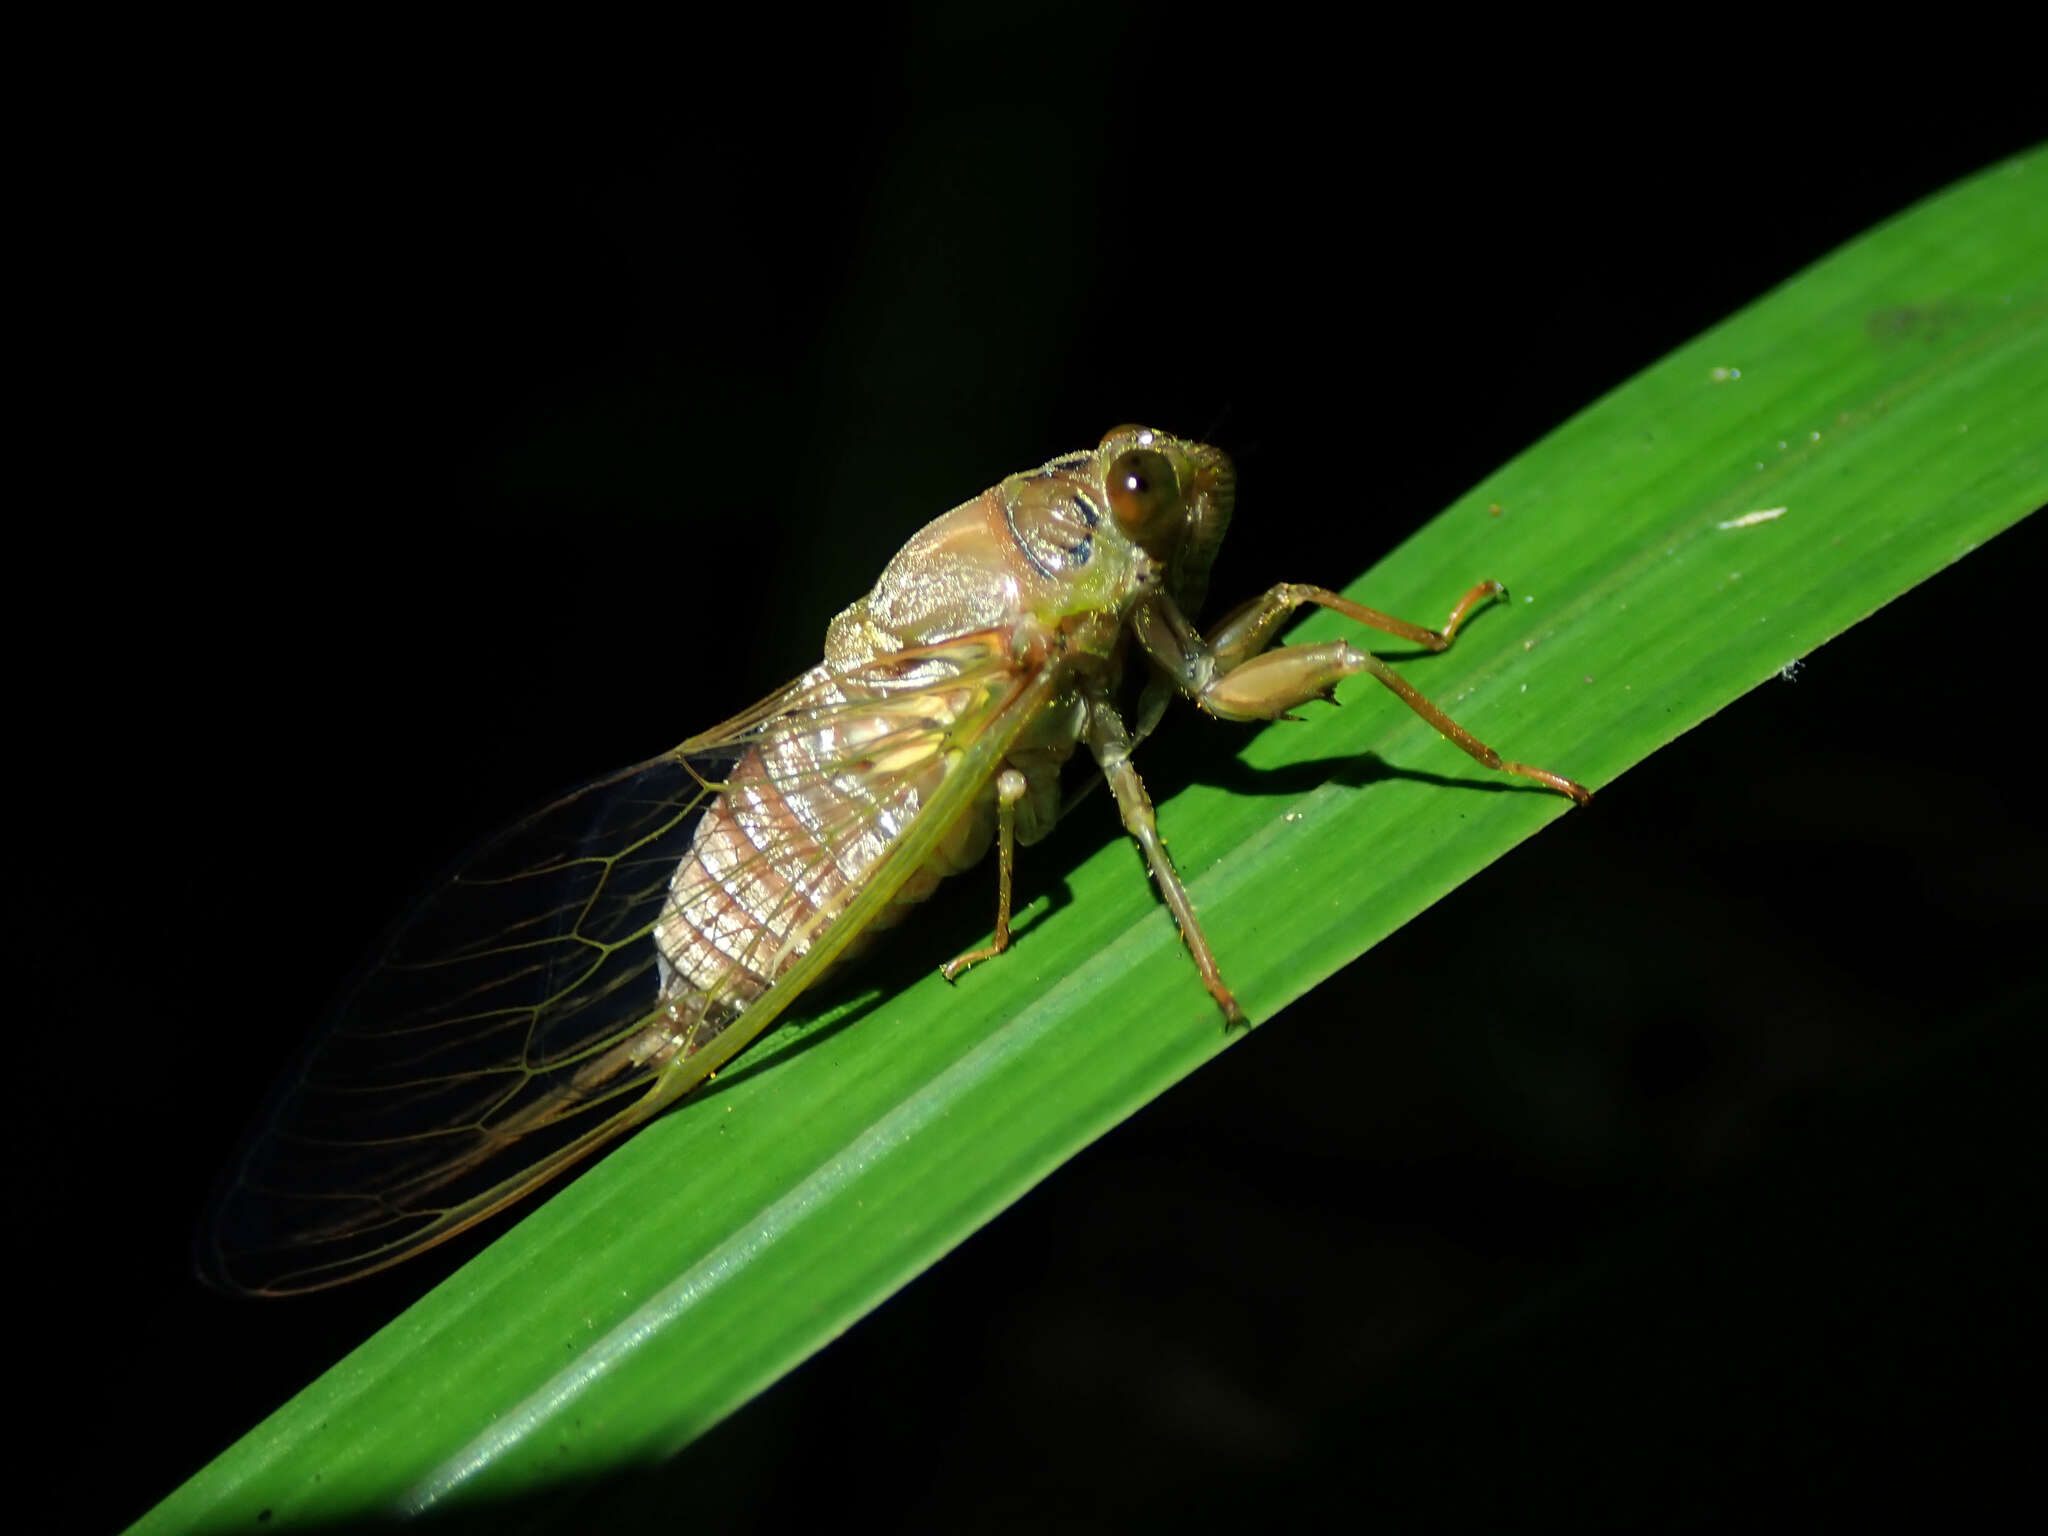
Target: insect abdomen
801 822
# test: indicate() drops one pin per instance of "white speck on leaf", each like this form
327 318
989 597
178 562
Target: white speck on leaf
1751 519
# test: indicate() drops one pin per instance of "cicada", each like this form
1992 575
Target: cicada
597 961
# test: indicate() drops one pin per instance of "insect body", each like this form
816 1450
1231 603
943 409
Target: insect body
603 957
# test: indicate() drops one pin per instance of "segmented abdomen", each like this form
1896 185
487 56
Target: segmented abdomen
803 818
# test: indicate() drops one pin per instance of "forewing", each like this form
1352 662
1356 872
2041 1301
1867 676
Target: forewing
512 1024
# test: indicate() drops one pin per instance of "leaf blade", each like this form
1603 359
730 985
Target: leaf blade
728 1241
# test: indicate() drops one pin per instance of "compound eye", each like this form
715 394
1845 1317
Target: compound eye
1144 435
1144 493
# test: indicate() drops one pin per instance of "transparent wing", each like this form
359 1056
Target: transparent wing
518 1018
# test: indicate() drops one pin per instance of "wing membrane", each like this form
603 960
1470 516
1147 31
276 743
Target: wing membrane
515 1021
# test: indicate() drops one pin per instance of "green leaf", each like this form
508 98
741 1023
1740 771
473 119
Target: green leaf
1689 536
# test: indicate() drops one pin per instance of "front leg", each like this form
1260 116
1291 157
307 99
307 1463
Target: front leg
1233 677
1248 630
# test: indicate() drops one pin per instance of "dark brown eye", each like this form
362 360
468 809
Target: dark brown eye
1144 493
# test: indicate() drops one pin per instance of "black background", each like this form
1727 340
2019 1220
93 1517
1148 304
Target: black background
420 434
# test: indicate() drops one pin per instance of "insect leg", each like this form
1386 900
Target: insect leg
1246 631
1462 739
1010 788
1110 741
1267 686
1229 676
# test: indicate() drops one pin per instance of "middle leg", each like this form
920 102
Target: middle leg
1110 741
